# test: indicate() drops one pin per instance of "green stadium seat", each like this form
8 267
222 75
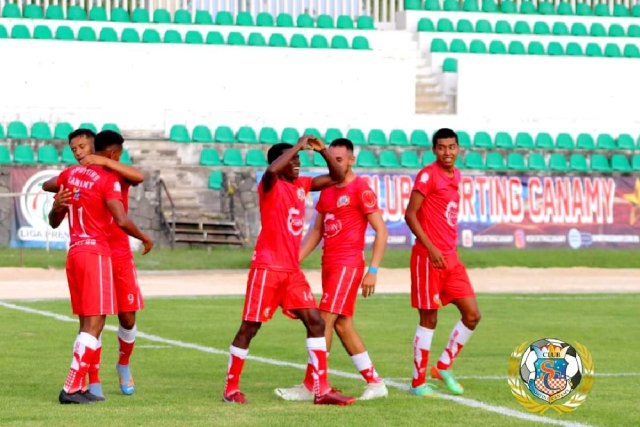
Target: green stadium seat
232 157
5 155
313 132
536 162
564 8
256 158
631 51
236 38
544 141
365 23
214 38
450 65
182 16
438 45
224 18
557 162
503 140
305 21
428 157
597 30
76 13
203 17
409 160
201 133
535 48
389 159
62 131
541 28
64 33
264 19
602 9
546 8
108 34
522 27
611 50
419 138
555 49
179 133
150 35
458 46
111 126
377 138
516 48
360 43
515 161
425 25
277 40
412 4
129 35
489 6
621 10
125 159
325 21
87 34
42 32
193 37
98 13
635 162
578 29
366 159
299 41
304 159
67 155
483 26
23 155
161 16
616 30
339 42
470 6
256 39
495 161
585 142
633 30
216 179
33 11
332 134
140 16
41 130
564 141
503 27
20 32
620 163
356 136
464 26
54 11
578 163
625 142
560 29
344 22
290 135
482 140
464 140
473 160
432 5
17 130
398 138
2 134
527 8
48 155
87 125
118 14
524 141
319 42
477 46
224 134
244 19
497 47
268 135
247 135
583 9
284 20
318 160
600 163
445 25
574 49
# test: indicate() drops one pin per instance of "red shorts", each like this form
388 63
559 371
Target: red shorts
432 288
269 289
91 284
340 289
125 280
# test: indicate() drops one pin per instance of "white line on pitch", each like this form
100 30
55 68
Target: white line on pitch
457 399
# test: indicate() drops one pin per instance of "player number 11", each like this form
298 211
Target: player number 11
80 222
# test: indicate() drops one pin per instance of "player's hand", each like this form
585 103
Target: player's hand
436 258
147 244
316 144
92 159
369 284
303 142
62 199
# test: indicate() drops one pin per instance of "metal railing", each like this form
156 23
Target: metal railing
168 225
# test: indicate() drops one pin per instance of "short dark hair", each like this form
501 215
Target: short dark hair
82 132
444 133
106 139
342 142
276 151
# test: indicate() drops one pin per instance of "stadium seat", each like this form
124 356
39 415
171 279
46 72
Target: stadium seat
129 35
585 142
503 27
541 28
389 159
319 42
244 19
450 65
76 13
339 42
304 159
41 130
236 38
140 16
620 10
365 23
201 133
515 161
67 155
600 163
425 25
474 160
172 36
489 6
89 126
356 136
522 27
631 51
482 140
560 29
495 161
419 138
445 26
428 157
536 162
360 43
503 140
432 5
594 49
64 32
268 135
277 40
62 131
232 157
546 8
17 130
193 37
597 30
497 47
203 17
574 49
557 162
182 16
477 46
264 19
564 8
23 155
578 29
555 49
318 160
633 30
612 50
247 135
33 11
464 26
439 45
332 134
399 138
483 26
602 9
535 48
583 9
87 34
54 11
2 134
463 139
108 34
635 162
620 163
98 13
564 141
470 6
42 32
118 14
458 46
344 22
47 154
516 48
5 155
527 8
366 159
256 39
377 137
451 6
524 140
179 133
125 159
625 142
256 158
325 21
224 18
299 41
544 141
111 126
216 179
409 160
312 131
20 32
214 38
224 134
284 20
578 163
290 135
616 30
305 21
161 16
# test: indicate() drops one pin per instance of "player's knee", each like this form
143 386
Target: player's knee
127 320
471 319
343 325
248 330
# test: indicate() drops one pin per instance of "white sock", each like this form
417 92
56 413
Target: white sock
459 337
241 353
127 335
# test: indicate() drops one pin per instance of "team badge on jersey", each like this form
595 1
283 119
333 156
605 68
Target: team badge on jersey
369 198
343 201
424 177
76 194
301 194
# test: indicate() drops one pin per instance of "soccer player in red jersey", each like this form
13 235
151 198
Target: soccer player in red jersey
92 198
275 278
344 211
437 275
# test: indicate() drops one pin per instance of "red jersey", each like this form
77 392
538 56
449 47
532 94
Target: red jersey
119 240
438 215
345 211
89 217
282 218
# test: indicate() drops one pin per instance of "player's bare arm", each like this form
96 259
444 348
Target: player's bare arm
116 208
314 235
59 208
51 185
131 174
411 217
281 163
336 172
379 246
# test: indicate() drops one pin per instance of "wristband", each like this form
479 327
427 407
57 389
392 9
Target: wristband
373 270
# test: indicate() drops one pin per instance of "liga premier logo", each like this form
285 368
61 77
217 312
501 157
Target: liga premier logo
546 371
35 204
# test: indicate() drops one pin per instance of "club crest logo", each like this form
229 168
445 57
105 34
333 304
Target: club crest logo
548 370
369 199
301 194
424 177
76 194
343 201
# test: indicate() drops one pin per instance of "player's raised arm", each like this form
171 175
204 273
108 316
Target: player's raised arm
314 235
51 185
411 217
131 174
116 208
336 172
379 246
59 208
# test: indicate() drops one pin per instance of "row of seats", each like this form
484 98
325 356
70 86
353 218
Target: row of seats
557 162
182 16
398 137
522 27
42 130
130 35
526 7
47 154
516 47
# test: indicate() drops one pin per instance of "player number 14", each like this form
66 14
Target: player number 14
80 222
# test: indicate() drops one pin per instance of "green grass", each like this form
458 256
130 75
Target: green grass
178 386
234 258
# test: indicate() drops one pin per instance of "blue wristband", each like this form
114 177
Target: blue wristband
373 270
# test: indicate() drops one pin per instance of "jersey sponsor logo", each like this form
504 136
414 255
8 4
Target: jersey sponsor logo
424 177
369 199
295 221
301 194
343 201
452 213
332 226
